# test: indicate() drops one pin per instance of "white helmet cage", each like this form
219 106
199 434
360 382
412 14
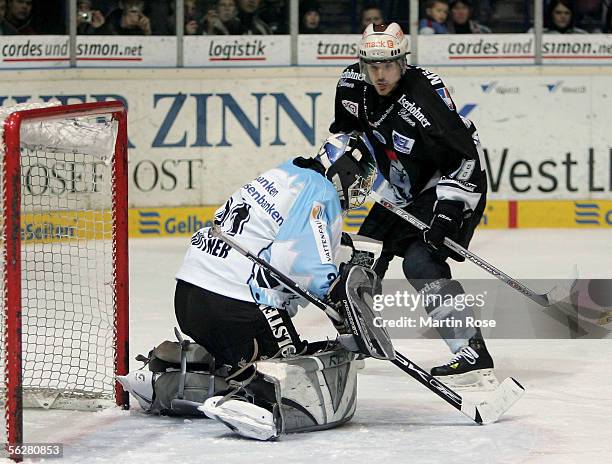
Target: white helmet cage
350 165
382 43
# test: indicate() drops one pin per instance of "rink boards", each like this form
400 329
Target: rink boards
499 214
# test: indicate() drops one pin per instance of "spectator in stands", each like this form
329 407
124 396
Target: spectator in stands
161 16
371 14
107 6
223 20
89 21
607 27
129 19
560 18
250 22
194 17
310 17
5 28
589 14
275 14
460 21
436 12
19 16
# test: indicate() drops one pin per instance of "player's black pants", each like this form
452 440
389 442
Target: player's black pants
224 326
405 241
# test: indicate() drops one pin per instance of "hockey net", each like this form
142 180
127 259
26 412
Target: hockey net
64 320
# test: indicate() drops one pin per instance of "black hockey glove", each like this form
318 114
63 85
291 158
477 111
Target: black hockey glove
334 299
347 240
447 220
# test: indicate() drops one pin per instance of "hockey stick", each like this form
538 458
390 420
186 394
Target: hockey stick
543 299
502 398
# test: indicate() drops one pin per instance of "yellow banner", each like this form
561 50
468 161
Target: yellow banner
169 222
495 215
564 213
54 226
59 226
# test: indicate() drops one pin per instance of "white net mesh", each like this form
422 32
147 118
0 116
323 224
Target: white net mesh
67 276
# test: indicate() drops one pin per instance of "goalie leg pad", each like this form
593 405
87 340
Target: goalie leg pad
155 391
300 394
313 392
180 377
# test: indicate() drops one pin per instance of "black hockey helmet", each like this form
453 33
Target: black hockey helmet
349 164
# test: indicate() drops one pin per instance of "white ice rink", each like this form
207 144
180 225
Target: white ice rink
564 417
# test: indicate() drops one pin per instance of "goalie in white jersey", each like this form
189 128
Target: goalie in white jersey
291 216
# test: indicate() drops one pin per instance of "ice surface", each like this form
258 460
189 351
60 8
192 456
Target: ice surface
565 416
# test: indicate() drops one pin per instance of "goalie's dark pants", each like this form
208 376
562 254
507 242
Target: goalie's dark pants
224 326
421 266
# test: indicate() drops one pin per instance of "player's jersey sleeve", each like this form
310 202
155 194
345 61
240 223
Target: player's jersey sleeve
347 101
305 246
452 144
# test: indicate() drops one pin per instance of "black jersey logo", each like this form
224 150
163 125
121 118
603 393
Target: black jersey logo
233 217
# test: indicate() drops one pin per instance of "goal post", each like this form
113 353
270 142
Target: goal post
65 323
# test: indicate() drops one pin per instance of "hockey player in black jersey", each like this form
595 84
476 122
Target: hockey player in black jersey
431 159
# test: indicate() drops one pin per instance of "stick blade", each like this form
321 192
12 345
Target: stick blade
502 399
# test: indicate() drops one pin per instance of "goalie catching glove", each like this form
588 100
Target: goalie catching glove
352 295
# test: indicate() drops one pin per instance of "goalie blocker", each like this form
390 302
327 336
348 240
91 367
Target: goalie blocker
352 296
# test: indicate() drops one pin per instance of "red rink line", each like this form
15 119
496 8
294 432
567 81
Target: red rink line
578 57
502 57
109 59
238 59
9 60
546 57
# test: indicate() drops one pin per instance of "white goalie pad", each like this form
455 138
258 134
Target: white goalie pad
315 392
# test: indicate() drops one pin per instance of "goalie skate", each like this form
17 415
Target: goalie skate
244 418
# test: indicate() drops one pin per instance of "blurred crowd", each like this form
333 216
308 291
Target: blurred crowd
481 17
259 17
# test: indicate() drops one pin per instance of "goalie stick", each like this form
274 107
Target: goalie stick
543 299
485 412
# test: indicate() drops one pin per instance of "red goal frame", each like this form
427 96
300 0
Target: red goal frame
12 272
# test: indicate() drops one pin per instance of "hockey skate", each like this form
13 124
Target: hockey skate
244 418
470 369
